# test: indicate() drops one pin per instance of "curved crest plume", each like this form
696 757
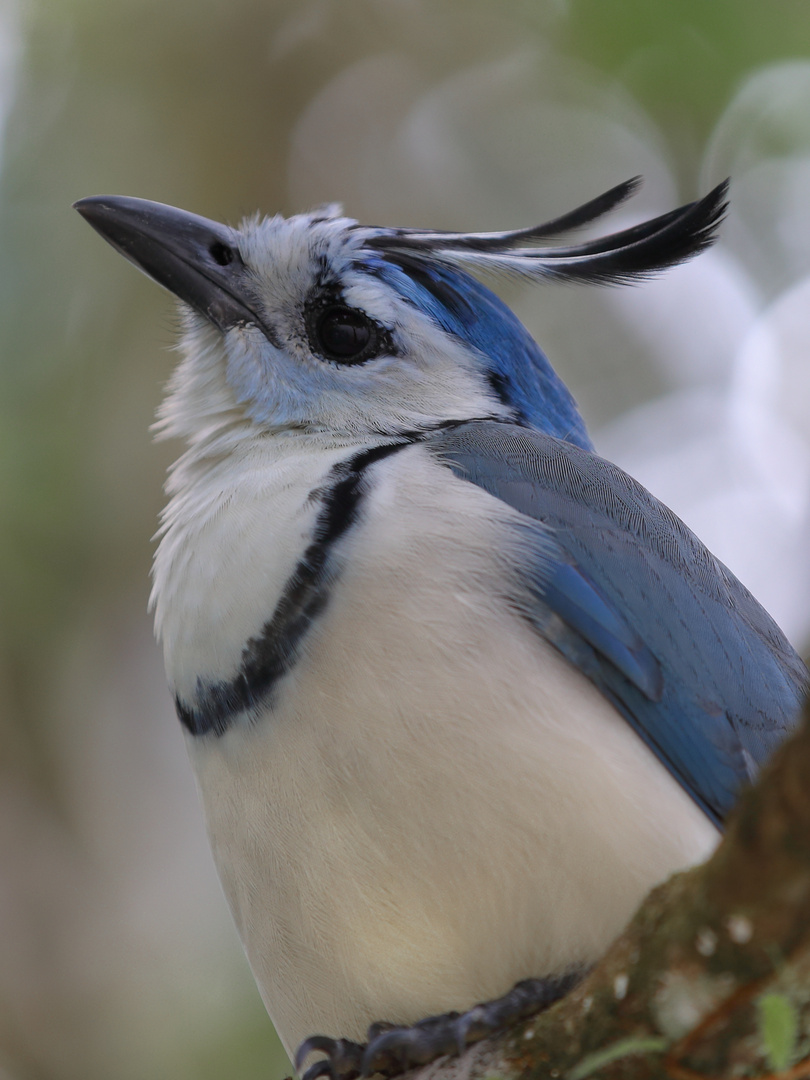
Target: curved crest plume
619 257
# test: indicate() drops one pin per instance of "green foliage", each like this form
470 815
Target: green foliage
778 1030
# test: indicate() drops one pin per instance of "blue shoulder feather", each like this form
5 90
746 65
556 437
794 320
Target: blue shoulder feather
631 597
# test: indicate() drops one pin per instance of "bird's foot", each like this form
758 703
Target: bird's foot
392 1049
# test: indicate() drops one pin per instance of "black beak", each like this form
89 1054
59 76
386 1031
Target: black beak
196 259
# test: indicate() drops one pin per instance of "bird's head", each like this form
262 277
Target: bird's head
316 323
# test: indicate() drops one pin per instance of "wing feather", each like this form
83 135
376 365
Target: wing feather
631 597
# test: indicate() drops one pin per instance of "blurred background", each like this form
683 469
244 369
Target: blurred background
117 957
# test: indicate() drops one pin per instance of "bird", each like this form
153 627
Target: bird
457 691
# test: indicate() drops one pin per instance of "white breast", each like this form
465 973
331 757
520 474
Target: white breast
439 804
233 537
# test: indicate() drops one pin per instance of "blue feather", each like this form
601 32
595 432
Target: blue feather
633 599
581 605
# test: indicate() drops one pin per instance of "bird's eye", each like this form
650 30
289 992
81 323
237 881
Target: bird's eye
344 335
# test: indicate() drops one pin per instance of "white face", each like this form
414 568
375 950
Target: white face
339 351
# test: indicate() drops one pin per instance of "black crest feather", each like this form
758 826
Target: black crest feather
620 257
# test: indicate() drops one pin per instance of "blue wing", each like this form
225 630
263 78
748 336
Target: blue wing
632 598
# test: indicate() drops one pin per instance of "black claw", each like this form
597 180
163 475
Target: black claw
392 1049
342 1061
322 1043
320 1068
